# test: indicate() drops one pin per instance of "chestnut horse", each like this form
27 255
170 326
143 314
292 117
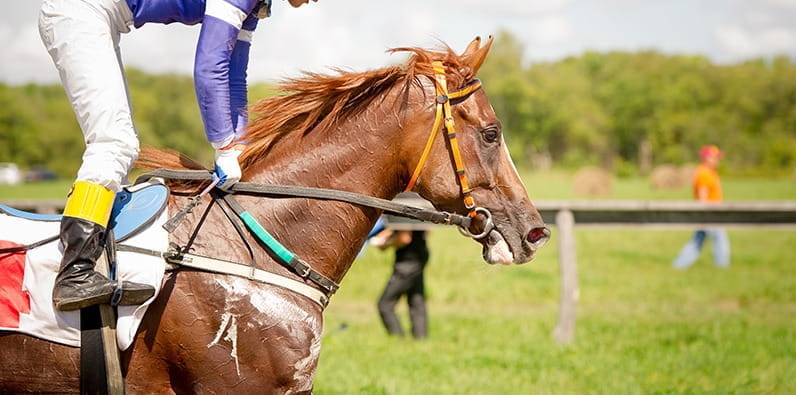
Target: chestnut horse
362 132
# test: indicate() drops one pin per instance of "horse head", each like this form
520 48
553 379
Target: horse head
471 170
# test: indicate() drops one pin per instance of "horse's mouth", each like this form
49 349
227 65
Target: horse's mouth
496 250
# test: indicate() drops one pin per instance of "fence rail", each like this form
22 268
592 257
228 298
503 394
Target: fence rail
590 212
566 215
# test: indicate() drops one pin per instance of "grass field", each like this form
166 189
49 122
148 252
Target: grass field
642 327
555 185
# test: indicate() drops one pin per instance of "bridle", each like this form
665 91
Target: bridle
445 115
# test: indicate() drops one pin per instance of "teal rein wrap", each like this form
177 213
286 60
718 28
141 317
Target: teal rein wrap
280 250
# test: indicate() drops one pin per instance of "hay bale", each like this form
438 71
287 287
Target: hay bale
687 171
592 181
667 176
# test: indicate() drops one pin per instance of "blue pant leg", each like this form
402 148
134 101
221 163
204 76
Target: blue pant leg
690 252
721 247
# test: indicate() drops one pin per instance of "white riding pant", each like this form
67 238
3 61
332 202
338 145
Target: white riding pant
82 37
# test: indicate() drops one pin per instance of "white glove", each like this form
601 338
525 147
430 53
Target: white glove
227 166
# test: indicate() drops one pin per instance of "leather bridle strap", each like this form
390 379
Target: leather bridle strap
444 114
283 191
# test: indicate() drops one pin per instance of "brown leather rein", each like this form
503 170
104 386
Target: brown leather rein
445 115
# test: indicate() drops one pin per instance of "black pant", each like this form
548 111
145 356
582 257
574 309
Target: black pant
406 279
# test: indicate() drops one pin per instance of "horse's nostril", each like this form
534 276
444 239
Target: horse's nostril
537 234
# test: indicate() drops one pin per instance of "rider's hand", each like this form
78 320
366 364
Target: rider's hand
227 166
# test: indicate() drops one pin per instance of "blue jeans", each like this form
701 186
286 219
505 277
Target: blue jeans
690 252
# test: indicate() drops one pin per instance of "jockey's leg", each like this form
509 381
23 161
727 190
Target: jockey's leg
82 37
86 215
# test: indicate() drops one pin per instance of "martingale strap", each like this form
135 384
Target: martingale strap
279 251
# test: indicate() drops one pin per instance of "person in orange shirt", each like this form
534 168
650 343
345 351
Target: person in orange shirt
707 189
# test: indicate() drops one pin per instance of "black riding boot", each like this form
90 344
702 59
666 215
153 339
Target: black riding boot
78 285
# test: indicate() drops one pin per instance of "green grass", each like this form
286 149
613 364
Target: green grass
558 185
36 190
553 185
642 327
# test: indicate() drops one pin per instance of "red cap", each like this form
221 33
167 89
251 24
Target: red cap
710 151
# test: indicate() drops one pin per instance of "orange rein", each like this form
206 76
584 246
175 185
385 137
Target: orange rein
443 112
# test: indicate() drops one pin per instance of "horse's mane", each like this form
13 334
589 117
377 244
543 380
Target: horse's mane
315 102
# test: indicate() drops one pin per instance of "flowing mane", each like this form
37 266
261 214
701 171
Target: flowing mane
315 102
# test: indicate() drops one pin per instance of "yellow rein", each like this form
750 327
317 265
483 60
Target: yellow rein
443 112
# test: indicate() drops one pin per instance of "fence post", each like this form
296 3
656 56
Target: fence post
565 329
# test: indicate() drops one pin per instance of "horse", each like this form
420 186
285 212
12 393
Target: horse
361 132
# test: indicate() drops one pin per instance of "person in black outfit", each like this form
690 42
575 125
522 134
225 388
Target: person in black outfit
411 256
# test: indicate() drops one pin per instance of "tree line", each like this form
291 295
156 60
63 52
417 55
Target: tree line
628 111
624 111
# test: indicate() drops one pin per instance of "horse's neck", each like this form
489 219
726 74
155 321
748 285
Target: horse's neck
359 157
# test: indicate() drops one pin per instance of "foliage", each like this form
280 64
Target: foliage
592 109
598 108
38 127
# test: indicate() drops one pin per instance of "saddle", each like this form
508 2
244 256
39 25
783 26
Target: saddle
134 208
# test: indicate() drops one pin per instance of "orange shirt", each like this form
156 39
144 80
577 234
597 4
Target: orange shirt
707 177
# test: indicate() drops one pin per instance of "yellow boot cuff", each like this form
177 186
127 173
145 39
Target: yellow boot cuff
90 201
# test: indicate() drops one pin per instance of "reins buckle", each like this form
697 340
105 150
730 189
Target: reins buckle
303 269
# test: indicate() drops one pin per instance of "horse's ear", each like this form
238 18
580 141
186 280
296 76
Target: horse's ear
475 56
472 47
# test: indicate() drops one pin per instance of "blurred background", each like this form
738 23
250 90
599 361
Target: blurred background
603 99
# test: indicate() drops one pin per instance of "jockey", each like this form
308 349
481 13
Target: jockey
82 37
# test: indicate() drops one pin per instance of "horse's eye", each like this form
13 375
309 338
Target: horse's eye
490 135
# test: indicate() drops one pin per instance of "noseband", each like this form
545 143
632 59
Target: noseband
444 113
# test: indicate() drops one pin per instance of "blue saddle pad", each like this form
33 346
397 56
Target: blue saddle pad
132 211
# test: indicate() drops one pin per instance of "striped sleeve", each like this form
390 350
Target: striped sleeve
213 67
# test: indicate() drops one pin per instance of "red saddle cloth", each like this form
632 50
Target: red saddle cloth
13 299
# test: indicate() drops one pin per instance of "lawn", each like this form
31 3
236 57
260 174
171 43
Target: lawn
554 185
642 327
56 189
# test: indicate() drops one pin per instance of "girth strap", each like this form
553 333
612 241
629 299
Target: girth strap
232 268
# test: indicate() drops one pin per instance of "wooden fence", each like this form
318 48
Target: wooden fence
566 215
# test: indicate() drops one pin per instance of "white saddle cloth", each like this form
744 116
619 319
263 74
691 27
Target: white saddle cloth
41 264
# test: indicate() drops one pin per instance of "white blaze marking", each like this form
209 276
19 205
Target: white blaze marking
511 161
